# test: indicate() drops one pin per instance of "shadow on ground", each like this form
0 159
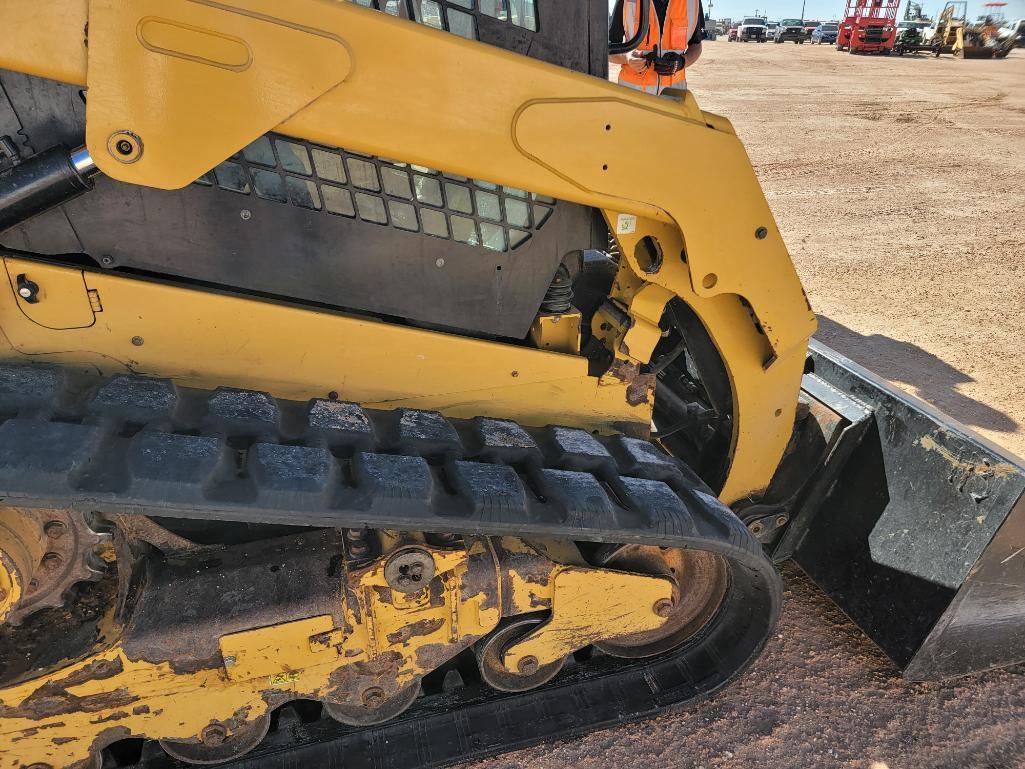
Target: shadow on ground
935 380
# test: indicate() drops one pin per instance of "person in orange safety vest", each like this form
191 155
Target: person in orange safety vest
672 44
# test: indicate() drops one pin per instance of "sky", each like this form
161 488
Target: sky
832 9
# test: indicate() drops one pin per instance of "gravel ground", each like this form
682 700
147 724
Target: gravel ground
899 187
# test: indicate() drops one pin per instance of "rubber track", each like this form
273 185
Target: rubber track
132 444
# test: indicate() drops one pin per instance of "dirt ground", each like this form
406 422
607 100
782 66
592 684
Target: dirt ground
899 187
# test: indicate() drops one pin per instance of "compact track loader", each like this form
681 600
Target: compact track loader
332 434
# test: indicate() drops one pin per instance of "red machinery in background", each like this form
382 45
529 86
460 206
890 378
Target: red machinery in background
869 26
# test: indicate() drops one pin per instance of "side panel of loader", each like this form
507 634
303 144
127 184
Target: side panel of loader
920 536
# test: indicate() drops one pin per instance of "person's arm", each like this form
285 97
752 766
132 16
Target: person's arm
633 59
692 55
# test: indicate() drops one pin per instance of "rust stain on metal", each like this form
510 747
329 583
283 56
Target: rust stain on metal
432 656
999 470
346 683
640 388
119 715
53 699
34 730
479 577
421 627
540 603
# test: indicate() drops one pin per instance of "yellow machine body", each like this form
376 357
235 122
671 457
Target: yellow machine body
532 125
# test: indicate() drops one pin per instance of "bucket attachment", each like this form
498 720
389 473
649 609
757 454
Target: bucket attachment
912 524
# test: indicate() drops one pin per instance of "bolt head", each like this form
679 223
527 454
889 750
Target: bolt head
246 214
781 520
663 607
25 292
527 665
409 570
138 341
55 529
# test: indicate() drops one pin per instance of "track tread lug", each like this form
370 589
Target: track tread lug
428 433
394 477
660 505
340 423
135 398
26 386
579 497
281 472
643 459
575 449
242 412
502 440
178 466
495 492
46 456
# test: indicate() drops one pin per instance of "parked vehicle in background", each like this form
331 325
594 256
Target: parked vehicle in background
752 28
869 26
809 27
909 40
770 28
731 36
825 32
1015 29
789 29
903 27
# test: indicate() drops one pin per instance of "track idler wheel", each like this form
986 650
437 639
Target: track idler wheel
491 650
700 582
376 707
219 743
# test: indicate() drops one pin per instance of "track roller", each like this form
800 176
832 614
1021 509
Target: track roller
700 578
491 650
376 707
218 742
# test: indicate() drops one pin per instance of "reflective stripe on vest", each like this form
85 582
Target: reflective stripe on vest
672 37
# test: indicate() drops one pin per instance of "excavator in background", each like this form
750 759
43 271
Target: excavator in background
332 431
985 39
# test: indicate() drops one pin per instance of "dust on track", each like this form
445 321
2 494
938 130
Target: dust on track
899 187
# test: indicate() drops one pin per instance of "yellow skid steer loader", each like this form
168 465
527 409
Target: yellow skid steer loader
332 434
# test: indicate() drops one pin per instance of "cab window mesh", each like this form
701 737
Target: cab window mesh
385 192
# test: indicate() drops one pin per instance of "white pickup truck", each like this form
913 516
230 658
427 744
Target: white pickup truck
752 28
